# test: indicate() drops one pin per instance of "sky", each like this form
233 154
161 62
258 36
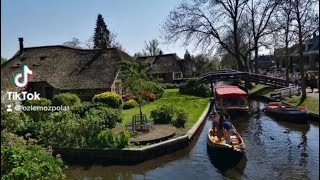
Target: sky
53 22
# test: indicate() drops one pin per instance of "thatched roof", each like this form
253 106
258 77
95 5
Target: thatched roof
165 63
66 68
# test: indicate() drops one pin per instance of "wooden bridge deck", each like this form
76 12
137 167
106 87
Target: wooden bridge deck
233 75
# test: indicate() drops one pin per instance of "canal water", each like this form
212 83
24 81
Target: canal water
274 150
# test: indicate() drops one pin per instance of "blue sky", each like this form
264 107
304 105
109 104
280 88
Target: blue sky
52 22
46 22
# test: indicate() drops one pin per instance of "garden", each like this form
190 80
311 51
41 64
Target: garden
27 138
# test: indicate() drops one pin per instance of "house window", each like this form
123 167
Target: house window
178 75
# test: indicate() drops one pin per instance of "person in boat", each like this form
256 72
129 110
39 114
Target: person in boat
227 129
215 122
220 126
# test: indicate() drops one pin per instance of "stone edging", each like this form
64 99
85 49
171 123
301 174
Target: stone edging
133 155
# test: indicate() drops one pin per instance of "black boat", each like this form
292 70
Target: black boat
286 113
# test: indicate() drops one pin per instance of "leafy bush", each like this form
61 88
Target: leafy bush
166 114
108 117
123 140
196 88
65 99
112 99
81 109
107 140
20 160
163 114
31 162
12 121
181 118
130 104
38 115
156 89
127 97
170 86
148 95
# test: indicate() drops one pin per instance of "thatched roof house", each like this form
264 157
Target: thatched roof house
57 69
167 67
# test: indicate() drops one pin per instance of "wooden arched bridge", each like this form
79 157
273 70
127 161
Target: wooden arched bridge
233 75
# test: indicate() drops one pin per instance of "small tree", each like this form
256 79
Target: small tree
136 81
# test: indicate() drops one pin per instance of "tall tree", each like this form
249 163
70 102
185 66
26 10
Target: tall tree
261 13
75 42
207 23
101 36
306 22
285 34
151 48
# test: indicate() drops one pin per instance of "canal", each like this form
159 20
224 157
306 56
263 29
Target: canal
274 150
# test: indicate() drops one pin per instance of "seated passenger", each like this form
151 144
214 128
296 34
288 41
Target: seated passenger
215 122
227 131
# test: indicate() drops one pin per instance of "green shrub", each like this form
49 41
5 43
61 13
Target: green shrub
12 121
123 140
106 139
163 114
112 99
181 118
31 162
130 104
196 88
155 88
170 86
80 109
38 115
65 99
22 160
61 116
108 116
127 97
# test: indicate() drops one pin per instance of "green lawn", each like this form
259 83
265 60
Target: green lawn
261 89
192 104
312 104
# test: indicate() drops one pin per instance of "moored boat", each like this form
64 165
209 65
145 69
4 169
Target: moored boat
286 113
231 99
234 150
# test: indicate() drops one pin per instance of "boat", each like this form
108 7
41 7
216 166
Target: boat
235 150
283 112
231 99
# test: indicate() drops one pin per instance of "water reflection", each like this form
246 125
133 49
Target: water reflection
274 150
226 164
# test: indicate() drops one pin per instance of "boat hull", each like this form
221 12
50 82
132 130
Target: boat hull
289 116
224 151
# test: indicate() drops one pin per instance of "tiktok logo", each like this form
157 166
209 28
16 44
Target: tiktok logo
24 76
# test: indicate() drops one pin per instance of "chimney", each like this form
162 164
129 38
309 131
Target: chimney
21 44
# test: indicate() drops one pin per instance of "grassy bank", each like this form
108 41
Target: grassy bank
312 104
192 104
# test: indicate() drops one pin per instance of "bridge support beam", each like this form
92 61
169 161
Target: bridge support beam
247 83
211 84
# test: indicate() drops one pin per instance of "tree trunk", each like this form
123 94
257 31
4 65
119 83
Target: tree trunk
256 58
140 112
301 60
